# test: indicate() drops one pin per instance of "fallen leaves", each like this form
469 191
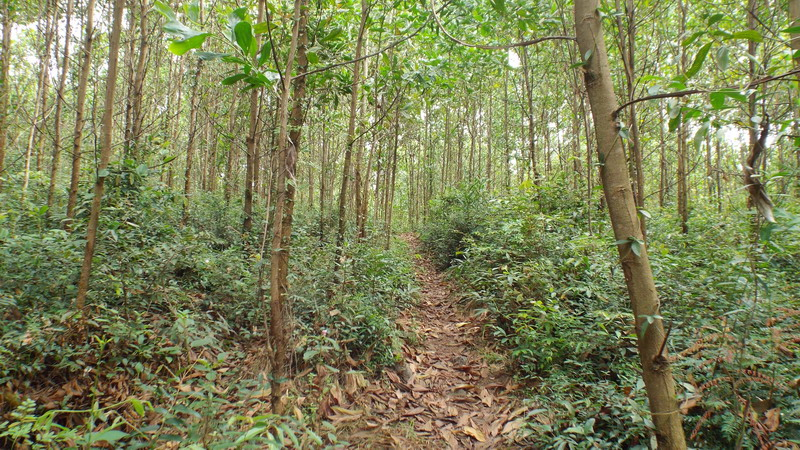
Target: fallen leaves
475 433
442 389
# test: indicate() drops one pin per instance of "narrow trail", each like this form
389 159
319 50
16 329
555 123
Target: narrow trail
445 393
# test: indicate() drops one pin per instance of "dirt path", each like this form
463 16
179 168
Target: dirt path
445 394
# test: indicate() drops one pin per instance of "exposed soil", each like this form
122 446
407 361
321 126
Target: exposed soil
445 394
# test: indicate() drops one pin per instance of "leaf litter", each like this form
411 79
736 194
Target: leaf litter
443 394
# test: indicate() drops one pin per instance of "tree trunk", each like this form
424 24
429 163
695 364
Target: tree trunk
187 176
40 102
137 86
391 186
288 147
656 371
794 17
5 57
80 103
230 138
62 82
105 155
351 131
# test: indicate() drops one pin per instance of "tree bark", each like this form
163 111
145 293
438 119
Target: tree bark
5 60
40 105
351 131
80 104
62 82
656 371
288 147
187 175
105 155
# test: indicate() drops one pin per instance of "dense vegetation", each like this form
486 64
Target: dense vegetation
557 310
201 204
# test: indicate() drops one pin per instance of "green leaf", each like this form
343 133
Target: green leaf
714 18
137 406
335 34
192 11
244 36
792 30
313 57
164 10
636 247
233 79
261 28
499 6
674 123
723 57
264 53
210 56
699 59
700 135
717 100
181 47
750 35
109 436
103 173
693 37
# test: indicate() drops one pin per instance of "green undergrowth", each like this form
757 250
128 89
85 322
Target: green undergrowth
558 307
173 346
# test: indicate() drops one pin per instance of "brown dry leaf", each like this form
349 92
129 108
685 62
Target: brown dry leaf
486 397
452 411
475 433
450 439
345 411
414 412
353 381
462 324
463 386
773 419
297 413
393 376
513 426
688 404
427 426
336 392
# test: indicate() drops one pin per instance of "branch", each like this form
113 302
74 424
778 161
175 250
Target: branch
380 119
702 91
494 47
370 55
757 190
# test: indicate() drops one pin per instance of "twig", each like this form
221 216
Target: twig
494 47
702 91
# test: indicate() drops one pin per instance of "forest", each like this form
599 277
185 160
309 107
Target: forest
564 224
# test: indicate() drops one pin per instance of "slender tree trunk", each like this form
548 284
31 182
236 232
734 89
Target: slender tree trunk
41 97
251 158
288 147
528 88
683 194
80 103
656 370
137 86
391 186
5 60
351 130
231 140
53 38
662 161
794 18
187 174
105 155
62 82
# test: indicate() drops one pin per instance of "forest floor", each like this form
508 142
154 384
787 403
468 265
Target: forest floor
448 392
